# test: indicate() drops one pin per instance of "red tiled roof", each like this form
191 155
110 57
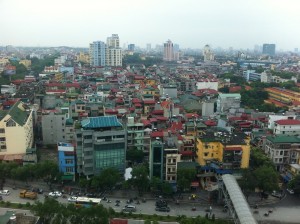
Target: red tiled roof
139 77
162 118
136 100
146 122
56 91
158 112
210 123
137 105
233 148
149 101
191 115
187 153
288 122
156 134
175 126
152 120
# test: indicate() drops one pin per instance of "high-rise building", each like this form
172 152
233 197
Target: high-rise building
113 51
131 47
168 51
148 47
269 49
208 54
97 53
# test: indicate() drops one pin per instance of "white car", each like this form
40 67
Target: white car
72 199
291 191
55 194
5 192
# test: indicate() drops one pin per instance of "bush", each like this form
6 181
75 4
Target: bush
7 203
20 205
27 205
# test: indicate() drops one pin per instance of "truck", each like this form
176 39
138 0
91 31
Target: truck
28 194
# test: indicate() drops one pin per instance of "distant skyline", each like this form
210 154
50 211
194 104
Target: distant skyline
189 23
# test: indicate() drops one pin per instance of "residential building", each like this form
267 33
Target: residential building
230 151
269 49
26 63
100 144
283 97
266 77
272 118
169 91
113 51
16 129
97 53
66 160
208 84
226 101
251 75
131 47
156 159
11 89
168 51
208 54
135 134
53 127
287 127
281 149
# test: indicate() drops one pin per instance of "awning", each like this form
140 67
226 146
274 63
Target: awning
195 184
67 177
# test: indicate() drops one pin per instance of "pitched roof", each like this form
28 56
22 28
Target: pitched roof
101 122
288 122
283 139
18 113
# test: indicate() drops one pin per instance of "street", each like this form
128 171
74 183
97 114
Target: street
284 211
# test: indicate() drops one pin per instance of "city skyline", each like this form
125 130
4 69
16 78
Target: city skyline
191 24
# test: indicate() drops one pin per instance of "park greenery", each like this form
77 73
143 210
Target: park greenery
137 59
261 174
47 171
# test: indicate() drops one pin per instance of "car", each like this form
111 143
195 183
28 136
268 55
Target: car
55 194
162 209
5 192
276 194
37 190
72 199
129 208
291 191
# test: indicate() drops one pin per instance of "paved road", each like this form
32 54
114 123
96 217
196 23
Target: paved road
284 211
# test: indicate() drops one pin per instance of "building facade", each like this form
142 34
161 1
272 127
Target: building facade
54 127
168 51
113 51
156 159
97 53
66 160
100 144
226 101
16 129
269 49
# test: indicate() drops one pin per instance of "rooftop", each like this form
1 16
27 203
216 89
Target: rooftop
284 139
288 122
101 122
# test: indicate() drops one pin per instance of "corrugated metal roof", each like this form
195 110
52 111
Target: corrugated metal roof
238 200
101 122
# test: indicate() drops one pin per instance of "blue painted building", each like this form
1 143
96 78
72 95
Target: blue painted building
66 161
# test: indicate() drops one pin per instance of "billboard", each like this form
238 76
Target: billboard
10 70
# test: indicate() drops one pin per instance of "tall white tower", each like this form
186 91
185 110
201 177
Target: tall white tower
208 54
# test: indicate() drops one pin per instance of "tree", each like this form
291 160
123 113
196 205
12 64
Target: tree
135 155
140 178
107 179
267 178
295 184
185 177
248 182
155 184
166 188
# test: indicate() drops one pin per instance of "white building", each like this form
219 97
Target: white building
287 127
113 51
168 51
226 101
273 118
208 84
208 54
97 53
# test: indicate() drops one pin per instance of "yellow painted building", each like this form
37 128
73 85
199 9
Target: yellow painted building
16 129
25 62
233 151
83 57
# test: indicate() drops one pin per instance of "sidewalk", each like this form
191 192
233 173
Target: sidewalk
255 199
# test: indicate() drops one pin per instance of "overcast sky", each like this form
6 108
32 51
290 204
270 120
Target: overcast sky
190 23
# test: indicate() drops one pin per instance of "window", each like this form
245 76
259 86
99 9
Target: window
69 169
206 154
69 161
2 130
11 123
2 139
3 147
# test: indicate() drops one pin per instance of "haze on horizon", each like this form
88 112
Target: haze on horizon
189 23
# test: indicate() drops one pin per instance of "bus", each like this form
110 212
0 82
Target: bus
87 202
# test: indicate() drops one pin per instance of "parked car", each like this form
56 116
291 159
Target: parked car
129 208
55 194
291 191
276 194
162 209
37 190
5 192
161 203
72 199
